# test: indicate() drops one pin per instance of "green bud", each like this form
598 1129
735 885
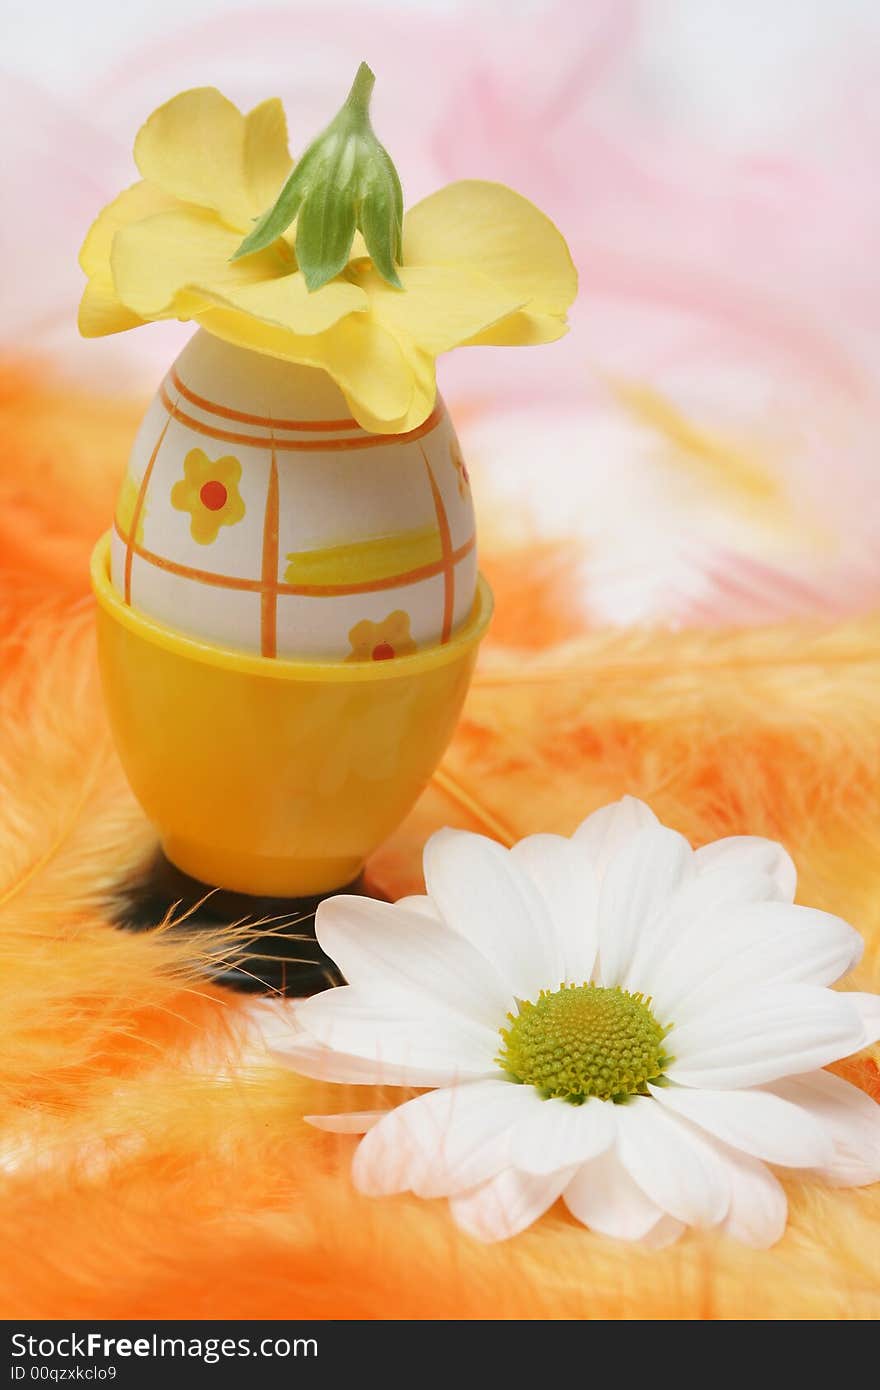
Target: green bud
344 182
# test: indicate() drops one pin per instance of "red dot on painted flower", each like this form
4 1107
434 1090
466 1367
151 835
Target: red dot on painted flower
383 652
213 495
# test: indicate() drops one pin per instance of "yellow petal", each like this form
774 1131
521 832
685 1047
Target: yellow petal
489 227
364 361
204 527
198 147
133 204
197 469
521 330
266 159
234 511
424 380
396 627
439 306
286 302
100 310
155 259
227 470
182 496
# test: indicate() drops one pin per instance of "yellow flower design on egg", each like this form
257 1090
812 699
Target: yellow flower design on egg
209 492
381 641
479 264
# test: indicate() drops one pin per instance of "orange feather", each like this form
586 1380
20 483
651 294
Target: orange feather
156 1162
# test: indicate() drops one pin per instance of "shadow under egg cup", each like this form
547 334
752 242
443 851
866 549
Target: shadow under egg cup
273 777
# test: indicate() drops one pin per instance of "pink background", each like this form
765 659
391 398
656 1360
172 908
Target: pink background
713 166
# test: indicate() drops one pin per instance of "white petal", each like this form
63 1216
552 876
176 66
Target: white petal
384 948
639 881
553 1134
744 947
441 1143
666 1232
603 1196
689 920
849 1116
868 1006
355 1122
607 830
754 1122
751 854
419 902
567 882
672 1163
486 897
761 1036
309 1058
398 1039
507 1204
758 1206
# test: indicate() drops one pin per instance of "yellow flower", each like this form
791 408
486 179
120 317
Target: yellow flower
481 265
209 492
381 641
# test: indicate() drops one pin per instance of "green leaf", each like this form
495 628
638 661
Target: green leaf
380 228
398 207
276 220
345 181
324 233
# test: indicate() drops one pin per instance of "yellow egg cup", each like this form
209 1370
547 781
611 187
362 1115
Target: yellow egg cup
274 778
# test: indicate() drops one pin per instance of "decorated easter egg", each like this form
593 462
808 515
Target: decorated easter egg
257 515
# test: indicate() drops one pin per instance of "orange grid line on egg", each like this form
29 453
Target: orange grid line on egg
139 506
225 413
268 586
335 445
257 586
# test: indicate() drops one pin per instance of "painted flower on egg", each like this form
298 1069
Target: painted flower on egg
209 492
381 641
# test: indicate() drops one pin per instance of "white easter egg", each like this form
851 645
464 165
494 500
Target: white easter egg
257 515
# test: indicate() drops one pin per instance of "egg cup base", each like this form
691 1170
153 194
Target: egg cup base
209 863
274 777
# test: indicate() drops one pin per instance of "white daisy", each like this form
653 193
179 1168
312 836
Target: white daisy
614 1019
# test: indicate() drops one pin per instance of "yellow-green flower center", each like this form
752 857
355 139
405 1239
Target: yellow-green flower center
583 1040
